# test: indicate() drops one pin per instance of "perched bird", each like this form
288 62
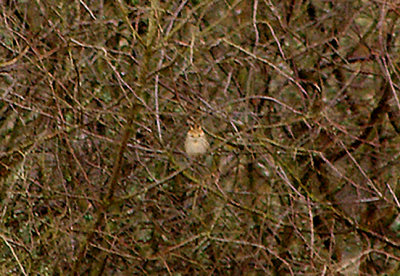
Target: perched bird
196 142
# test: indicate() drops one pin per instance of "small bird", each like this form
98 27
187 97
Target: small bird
196 142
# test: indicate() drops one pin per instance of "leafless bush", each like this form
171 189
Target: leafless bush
299 100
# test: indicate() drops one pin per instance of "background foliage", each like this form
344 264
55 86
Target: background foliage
299 99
